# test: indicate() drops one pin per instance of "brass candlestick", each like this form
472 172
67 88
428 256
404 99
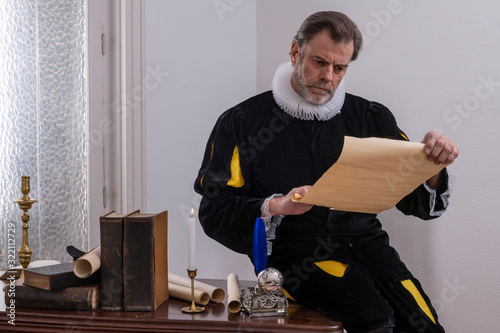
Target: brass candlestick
25 204
193 308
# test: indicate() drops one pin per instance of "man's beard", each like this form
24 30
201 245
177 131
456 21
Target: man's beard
303 88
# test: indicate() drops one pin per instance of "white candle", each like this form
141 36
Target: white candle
191 242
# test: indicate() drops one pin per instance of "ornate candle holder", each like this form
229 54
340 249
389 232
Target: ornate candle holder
193 308
25 204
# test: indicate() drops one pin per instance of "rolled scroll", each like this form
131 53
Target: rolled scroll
216 294
233 293
184 293
87 264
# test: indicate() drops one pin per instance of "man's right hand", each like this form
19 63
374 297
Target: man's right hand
285 206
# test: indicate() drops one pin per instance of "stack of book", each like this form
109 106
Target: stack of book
133 275
54 287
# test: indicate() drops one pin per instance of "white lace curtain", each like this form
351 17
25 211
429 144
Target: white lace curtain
43 124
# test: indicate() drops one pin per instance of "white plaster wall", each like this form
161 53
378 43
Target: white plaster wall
206 56
426 60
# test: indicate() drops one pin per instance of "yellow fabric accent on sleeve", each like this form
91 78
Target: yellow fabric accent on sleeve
410 286
287 294
236 176
332 267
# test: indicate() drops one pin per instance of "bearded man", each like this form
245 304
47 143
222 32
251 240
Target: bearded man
280 142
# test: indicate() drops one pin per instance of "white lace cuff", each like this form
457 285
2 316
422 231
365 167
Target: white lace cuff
270 222
445 196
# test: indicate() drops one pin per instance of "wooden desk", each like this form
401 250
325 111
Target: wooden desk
167 318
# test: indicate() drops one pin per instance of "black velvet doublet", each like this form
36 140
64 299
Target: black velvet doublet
256 150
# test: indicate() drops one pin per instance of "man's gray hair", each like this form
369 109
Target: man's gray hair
342 30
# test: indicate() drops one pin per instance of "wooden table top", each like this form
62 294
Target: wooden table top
167 318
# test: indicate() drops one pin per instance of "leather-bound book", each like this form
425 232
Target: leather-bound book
56 277
71 298
111 227
145 263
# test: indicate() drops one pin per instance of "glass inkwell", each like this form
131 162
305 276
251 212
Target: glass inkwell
266 298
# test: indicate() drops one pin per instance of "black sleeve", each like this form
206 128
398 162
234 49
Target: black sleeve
382 124
421 203
227 211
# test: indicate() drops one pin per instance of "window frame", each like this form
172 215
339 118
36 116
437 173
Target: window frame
116 110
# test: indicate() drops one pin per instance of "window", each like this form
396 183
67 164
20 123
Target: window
71 117
43 123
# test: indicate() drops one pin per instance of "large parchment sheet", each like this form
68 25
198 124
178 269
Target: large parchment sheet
371 175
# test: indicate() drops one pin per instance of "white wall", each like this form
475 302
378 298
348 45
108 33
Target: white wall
209 64
424 60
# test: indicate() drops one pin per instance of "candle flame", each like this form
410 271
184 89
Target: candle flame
192 212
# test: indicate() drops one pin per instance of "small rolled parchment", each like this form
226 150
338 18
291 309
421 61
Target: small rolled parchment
216 294
184 293
87 264
233 293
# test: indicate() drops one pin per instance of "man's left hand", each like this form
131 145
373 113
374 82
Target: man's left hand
439 148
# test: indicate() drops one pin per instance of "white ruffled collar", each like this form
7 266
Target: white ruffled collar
295 105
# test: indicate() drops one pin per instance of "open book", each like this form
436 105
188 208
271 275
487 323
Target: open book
371 175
